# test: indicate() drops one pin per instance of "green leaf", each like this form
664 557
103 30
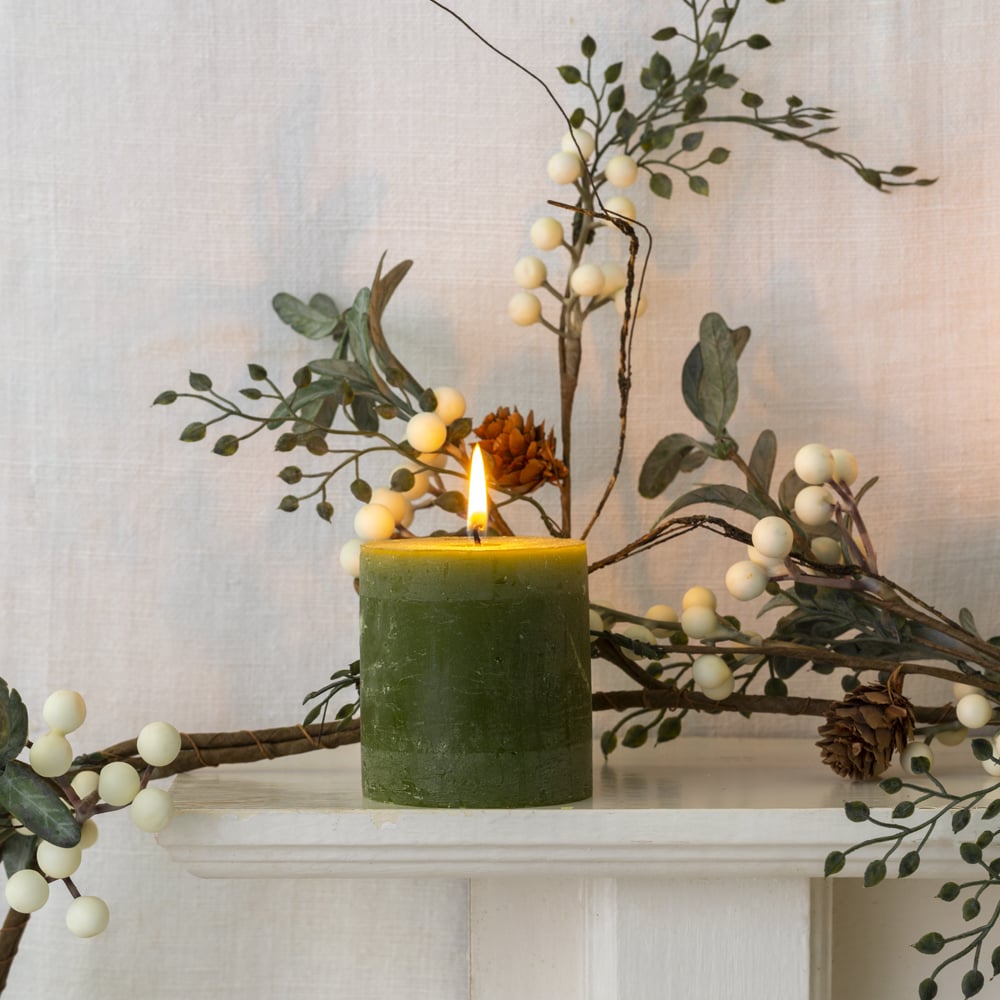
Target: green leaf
324 304
982 749
286 442
289 504
364 415
856 811
722 495
874 873
665 34
691 141
257 372
762 459
302 377
992 810
193 432
251 393
199 382
361 490
290 474
872 177
695 108
834 863
909 863
972 982
577 118
758 42
970 853
613 72
967 622
718 155
18 852
662 137
723 15
663 463
635 736
325 510
626 125
37 805
960 820
570 74
661 185
227 445
949 892
608 742
13 723
669 729
775 687
588 47
718 386
995 961
312 323
402 480
452 501
928 989
903 810
698 184
970 908
165 398
891 785
751 100
616 99
930 944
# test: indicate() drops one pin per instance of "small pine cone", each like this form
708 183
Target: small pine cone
862 732
520 454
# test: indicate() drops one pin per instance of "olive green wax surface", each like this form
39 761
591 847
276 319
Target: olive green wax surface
475 672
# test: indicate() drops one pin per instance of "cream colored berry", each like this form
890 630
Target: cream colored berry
58 862
621 171
826 550
374 523
118 783
596 621
350 557
584 140
641 634
772 537
620 205
524 308
722 691
50 755
26 891
710 671
564 167
845 466
953 737
814 506
436 460
530 272
152 809
974 711
814 464
587 279
84 783
699 597
961 690
450 403
64 711
663 613
426 432
699 622
87 916
745 580
88 834
158 744
774 567
397 505
615 278
546 233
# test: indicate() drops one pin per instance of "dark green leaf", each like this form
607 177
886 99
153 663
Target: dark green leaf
165 398
361 490
286 442
949 892
718 155
960 820
290 474
695 108
691 141
698 184
758 42
251 393
726 81
985 839
33 801
635 736
930 944
669 729
972 982
659 67
970 853
324 304
970 908
663 463
588 47
723 15
891 785
626 125
316 444
616 99
751 100
856 811
724 496
928 989
364 415
966 620
872 177
577 118
834 863
762 459
661 185
995 961
665 34
193 432
18 852
452 501
570 74
874 873
459 430
289 504
612 73
903 810
227 445
257 373
199 382
325 510
608 742
13 723
662 137
718 386
402 480
982 749
992 810
775 687
302 377
309 321
909 863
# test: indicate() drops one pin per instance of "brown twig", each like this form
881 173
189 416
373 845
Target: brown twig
10 940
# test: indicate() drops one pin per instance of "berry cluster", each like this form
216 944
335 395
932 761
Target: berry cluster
89 792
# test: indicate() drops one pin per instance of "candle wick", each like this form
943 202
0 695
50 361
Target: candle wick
475 536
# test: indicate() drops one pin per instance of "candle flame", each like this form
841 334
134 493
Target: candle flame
478 505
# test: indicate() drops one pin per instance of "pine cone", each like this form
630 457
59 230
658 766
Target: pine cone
862 732
522 457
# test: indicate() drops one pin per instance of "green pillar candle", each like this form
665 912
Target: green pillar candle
475 672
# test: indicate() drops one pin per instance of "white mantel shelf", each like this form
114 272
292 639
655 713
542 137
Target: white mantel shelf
682 846
708 807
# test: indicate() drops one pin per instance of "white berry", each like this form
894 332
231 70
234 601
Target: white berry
596 621
699 622
374 523
436 460
118 783
158 744
642 634
87 916
845 466
722 691
584 140
814 464
564 168
615 279
530 272
813 506
58 862
546 233
774 567
587 279
773 537
50 755
88 834
450 403
638 309
913 750
620 205
621 171
974 711
84 782
662 613
397 505
524 308
152 809
64 711
350 557
826 550
746 580
698 597
961 690
426 432
710 671
952 737
26 891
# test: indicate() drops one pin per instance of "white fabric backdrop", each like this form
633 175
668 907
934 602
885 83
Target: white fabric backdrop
169 166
